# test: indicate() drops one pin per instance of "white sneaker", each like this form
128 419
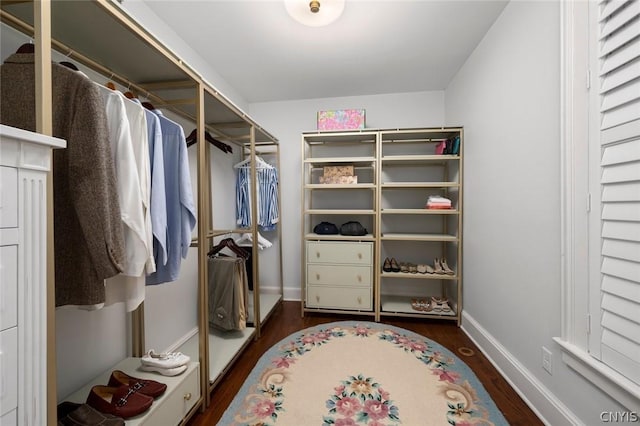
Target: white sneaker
164 360
164 371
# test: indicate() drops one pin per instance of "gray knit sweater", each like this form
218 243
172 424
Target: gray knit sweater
89 245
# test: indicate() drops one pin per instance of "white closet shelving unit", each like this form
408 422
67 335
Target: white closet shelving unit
410 171
397 170
339 270
137 61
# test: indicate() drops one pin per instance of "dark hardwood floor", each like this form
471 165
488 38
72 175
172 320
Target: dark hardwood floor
286 320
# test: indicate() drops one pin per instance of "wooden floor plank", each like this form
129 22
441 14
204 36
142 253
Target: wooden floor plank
286 320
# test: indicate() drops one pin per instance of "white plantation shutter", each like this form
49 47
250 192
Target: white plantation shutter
618 336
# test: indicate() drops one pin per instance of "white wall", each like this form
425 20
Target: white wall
507 96
287 120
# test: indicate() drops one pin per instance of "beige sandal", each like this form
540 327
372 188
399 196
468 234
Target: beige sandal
445 267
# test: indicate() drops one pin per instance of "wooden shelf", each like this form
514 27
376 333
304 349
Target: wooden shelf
418 159
396 236
337 237
418 276
340 160
401 306
412 185
340 212
420 211
340 186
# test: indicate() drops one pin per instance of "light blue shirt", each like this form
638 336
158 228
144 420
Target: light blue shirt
181 218
158 197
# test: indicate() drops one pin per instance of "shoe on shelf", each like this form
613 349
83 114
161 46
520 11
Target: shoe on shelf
164 360
164 371
437 267
394 265
440 304
386 266
445 267
404 267
413 269
422 268
73 414
146 387
121 401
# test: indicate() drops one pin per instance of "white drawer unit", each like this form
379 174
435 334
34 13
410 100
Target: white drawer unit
9 371
25 159
8 286
8 197
338 252
339 275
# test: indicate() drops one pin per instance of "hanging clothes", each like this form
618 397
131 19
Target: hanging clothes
180 214
158 203
228 293
129 146
266 195
89 243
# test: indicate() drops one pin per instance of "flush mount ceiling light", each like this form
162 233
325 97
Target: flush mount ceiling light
315 13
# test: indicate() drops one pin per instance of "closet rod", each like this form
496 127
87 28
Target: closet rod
90 63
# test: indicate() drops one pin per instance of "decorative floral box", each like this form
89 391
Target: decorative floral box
337 171
343 180
341 119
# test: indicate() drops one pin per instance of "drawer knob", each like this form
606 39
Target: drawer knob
359 300
318 254
359 278
359 255
317 298
318 277
187 396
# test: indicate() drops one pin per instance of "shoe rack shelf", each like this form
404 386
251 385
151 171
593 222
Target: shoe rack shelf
397 170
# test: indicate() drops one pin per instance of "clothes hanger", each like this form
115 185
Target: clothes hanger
259 162
193 138
148 106
69 65
110 85
231 245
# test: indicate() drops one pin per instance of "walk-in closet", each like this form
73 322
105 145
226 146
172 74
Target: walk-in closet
218 140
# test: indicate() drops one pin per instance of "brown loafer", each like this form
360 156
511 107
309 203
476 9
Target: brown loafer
146 387
120 401
72 414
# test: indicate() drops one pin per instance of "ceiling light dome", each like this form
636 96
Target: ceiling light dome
315 13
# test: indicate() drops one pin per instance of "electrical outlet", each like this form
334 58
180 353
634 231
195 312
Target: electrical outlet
547 360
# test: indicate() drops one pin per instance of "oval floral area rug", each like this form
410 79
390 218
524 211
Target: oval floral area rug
360 373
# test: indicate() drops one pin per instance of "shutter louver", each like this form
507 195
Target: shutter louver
620 185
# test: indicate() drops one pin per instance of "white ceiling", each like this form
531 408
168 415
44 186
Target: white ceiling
374 47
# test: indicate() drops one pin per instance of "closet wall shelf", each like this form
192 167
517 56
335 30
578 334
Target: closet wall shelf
340 186
339 212
417 237
340 160
420 211
411 185
417 158
314 236
401 306
419 276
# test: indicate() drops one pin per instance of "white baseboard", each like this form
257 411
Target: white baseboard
537 396
292 294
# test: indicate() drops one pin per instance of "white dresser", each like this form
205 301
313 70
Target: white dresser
25 159
339 275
